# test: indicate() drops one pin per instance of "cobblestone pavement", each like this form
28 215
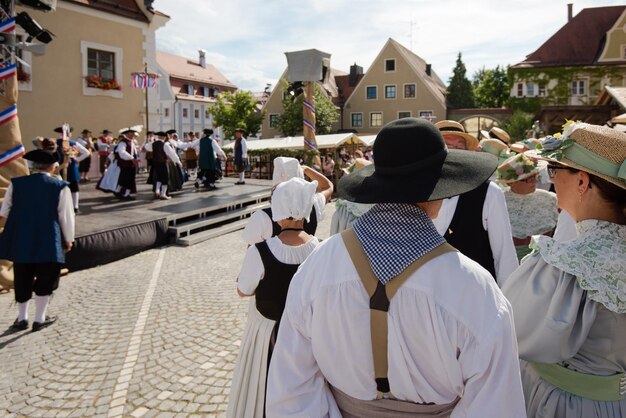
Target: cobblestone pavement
153 335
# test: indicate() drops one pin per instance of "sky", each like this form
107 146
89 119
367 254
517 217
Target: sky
246 39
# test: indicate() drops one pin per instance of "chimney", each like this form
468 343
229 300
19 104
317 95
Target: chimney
355 72
570 11
429 69
202 53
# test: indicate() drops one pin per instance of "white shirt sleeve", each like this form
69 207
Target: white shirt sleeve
121 150
496 222
319 203
258 228
147 146
251 272
244 148
218 151
7 203
171 154
82 152
65 211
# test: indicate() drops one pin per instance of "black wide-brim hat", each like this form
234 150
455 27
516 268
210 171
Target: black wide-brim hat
41 157
412 164
171 132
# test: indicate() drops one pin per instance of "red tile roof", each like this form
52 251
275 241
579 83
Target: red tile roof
126 8
345 90
186 69
579 42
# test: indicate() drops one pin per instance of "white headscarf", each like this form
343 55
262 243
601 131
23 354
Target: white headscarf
293 199
286 168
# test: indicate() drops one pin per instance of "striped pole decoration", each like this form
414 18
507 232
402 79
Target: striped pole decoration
8 71
308 117
8 25
8 114
12 154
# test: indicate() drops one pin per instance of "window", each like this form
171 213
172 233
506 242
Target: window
426 114
542 89
185 112
520 89
105 62
196 114
205 91
274 121
101 63
166 112
578 88
376 119
402 115
371 92
409 91
357 120
390 92
390 65
530 90
190 89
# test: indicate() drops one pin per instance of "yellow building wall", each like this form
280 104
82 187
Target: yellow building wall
57 77
424 99
274 105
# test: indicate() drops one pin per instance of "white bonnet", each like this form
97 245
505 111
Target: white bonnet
286 168
293 199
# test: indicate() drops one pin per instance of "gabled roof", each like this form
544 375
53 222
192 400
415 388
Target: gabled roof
126 8
419 66
579 42
190 70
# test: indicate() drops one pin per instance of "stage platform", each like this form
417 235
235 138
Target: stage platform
108 229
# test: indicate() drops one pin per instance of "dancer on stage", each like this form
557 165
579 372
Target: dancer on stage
162 152
206 148
119 178
104 143
85 165
175 172
266 273
69 154
241 155
569 297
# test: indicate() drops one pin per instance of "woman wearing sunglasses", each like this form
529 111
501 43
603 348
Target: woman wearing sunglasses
569 298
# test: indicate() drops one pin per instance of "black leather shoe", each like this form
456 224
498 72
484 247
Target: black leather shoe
40 325
20 325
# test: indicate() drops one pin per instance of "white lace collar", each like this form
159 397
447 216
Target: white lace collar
597 257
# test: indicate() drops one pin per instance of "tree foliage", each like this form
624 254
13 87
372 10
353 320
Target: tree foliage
234 110
290 122
517 125
491 87
460 92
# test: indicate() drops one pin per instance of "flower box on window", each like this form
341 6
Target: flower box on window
98 82
22 76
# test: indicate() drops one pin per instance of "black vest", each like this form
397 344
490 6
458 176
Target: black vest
271 293
158 152
309 227
466 232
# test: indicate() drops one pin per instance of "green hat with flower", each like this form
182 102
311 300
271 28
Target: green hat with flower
595 149
517 168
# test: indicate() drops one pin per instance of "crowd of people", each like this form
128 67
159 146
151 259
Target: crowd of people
494 275
169 160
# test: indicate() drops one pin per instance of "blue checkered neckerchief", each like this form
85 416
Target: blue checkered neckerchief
393 236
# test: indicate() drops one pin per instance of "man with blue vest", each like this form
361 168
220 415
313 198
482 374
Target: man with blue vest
39 230
207 148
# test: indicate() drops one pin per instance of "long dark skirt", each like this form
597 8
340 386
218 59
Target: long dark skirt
84 165
127 179
175 182
158 173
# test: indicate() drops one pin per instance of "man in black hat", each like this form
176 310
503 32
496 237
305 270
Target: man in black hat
386 319
241 154
39 230
207 149
126 158
161 152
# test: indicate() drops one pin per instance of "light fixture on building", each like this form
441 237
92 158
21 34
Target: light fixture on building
33 28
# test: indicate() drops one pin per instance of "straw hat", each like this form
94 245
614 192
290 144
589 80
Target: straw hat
493 146
517 168
595 149
450 127
525 145
500 134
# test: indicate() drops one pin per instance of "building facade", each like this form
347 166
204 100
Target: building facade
84 76
188 89
574 65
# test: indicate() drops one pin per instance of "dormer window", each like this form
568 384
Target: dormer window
190 89
205 91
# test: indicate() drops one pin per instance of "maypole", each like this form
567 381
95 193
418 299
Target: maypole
145 80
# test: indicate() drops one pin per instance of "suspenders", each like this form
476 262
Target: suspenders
380 297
